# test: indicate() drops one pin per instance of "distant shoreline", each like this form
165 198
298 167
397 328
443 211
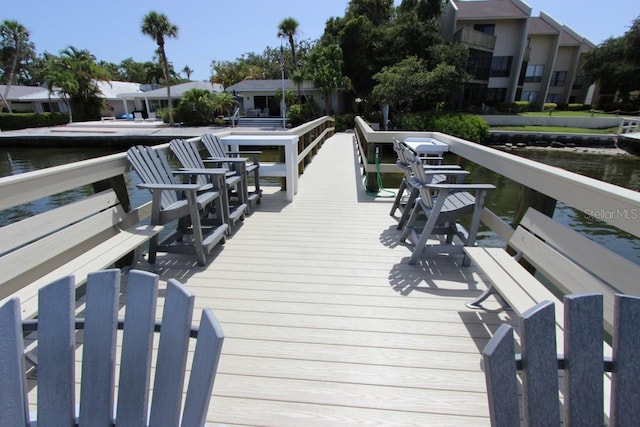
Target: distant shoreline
612 151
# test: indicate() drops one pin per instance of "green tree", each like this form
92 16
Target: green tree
15 48
410 82
74 75
288 29
157 26
188 71
224 102
325 69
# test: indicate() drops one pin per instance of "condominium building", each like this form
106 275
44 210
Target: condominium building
514 56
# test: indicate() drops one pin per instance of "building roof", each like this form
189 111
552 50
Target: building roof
492 9
540 26
16 92
267 86
176 90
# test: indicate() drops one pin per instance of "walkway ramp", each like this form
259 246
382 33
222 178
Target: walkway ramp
325 322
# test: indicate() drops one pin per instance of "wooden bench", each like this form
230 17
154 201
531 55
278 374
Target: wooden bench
73 239
152 370
569 263
584 398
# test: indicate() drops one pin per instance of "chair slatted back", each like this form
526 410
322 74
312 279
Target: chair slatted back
213 145
583 390
56 356
188 156
153 168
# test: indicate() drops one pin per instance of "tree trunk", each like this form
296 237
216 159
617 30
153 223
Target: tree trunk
165 70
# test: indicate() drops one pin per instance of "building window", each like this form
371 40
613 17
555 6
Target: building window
554 97
485 28
479 64
578 83
534 73
529 95
495 95
558 78
501 66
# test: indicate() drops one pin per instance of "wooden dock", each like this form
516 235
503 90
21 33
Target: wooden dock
325 322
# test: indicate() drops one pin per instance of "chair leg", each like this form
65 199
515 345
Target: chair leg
429 226
398 201
196 225
411 201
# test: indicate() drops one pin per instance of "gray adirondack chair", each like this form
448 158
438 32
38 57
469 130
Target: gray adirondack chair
585 371
410 186
236 161
57 329
189 204
443 205
235 184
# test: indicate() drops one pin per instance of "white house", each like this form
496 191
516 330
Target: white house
257 98
151 100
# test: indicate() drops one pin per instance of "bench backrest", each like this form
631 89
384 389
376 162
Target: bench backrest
56 343
582 383
31 248
574 263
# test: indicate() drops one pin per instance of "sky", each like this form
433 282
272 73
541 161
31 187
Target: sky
214 30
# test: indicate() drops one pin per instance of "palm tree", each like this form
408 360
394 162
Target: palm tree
288 29
157 26
15 38
187 71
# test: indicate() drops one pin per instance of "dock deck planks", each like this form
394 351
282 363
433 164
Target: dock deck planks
325 322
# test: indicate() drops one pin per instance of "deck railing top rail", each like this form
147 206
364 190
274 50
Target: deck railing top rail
621 206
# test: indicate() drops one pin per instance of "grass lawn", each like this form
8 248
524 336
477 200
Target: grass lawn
557 129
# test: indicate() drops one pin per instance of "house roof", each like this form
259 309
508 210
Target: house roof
491 9
540 26
267 86
176 90
16 92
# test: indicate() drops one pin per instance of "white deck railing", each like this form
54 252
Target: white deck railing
580 192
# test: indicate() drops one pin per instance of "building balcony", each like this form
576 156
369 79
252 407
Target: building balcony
475 39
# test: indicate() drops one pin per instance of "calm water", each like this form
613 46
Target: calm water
619 170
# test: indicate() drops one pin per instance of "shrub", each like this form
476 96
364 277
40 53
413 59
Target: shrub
345 121
300 113
16 121
577 107
465 126
549 106
521 106
197 108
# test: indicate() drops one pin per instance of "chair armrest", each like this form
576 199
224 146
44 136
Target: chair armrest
199 171
461 187
226 159
173 187
446 172
244 152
